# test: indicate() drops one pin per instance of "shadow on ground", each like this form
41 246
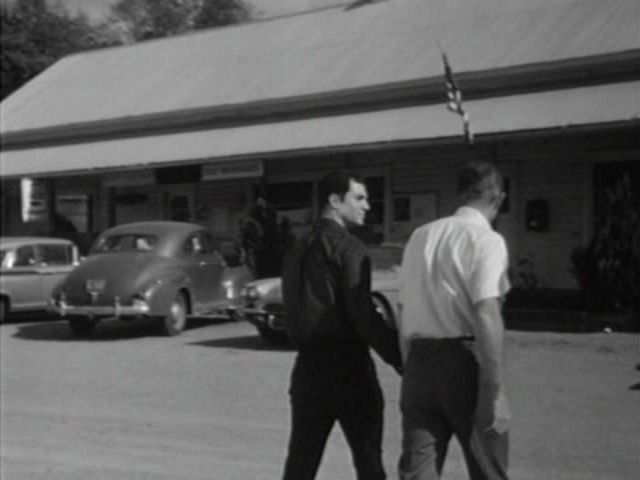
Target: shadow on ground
107 330
247 342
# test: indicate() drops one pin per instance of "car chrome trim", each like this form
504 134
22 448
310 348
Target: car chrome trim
262 317
115 310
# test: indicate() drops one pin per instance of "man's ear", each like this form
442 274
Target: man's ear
334 200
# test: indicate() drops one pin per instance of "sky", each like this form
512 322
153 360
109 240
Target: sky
98 9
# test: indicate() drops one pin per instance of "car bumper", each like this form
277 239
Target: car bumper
139 308
262 318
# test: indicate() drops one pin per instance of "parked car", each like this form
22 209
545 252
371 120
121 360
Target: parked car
30 268
162 270
262 299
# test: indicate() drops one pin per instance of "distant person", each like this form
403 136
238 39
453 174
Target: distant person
261 240
332 322
452 283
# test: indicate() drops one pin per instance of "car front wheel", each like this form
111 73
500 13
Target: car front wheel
82 327
175 320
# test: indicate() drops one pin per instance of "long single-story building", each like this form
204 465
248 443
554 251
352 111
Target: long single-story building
194 127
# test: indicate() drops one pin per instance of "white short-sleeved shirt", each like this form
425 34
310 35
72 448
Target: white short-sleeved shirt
449 265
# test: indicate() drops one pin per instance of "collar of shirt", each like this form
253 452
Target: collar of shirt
473 216
327 222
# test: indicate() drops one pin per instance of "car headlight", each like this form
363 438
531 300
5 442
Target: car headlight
250 293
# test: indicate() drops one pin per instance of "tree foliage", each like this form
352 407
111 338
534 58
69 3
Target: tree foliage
146 19
608 269
35 34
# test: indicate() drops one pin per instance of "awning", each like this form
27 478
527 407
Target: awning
595 105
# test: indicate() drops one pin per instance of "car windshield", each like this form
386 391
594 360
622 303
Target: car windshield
126 243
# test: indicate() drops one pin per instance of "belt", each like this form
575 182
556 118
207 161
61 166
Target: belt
465 340
462 338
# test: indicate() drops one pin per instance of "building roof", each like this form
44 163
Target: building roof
329 50
566 109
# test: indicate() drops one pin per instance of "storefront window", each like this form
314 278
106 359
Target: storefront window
292 200
73 213
135 204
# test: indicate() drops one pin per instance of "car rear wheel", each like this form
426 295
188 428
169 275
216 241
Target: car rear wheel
175 320
82 327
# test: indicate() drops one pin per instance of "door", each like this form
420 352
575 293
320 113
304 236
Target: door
206 268
179 206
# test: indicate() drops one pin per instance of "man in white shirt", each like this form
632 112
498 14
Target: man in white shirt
452 283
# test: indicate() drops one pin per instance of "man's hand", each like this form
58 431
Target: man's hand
501 415
493 413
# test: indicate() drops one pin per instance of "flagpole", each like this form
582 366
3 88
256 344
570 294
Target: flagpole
454 96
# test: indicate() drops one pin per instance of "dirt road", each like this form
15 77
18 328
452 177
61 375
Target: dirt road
212 404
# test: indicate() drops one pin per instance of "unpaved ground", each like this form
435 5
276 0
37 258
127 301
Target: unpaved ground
212 404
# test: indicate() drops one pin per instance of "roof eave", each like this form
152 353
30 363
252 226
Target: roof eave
596 69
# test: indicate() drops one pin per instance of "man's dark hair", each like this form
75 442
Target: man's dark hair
335 182
478 180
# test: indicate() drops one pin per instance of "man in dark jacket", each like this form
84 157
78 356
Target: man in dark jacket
332 322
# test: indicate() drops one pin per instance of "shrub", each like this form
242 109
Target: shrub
608 268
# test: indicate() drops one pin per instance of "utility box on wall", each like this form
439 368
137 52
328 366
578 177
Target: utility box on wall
537 215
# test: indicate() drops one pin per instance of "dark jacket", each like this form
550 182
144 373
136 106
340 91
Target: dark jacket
326 287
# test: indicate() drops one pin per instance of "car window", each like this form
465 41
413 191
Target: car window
25 257
8 258
55 254
208 245
230 250
199 243
128 242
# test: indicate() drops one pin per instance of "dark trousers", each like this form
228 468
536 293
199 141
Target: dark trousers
335 386
439 397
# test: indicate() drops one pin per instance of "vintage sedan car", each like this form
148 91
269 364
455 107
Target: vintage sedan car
262 299
167 271
29 270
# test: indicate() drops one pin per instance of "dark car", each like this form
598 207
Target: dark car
30 267
162 270
262 299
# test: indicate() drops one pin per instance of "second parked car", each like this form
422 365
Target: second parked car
162 270
30 267
262 299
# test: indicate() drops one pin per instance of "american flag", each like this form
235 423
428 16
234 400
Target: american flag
454 98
